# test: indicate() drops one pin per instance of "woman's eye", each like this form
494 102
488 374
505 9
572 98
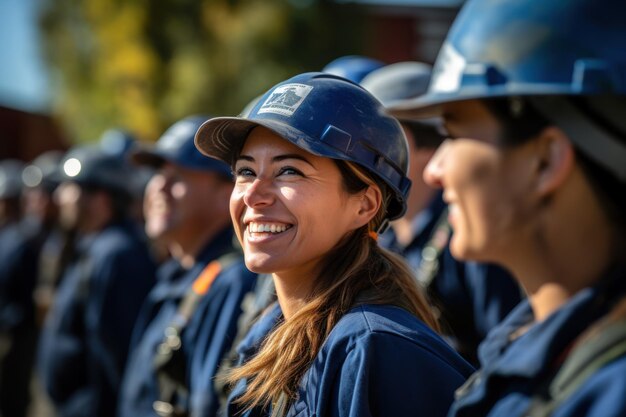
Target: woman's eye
289 171
244 172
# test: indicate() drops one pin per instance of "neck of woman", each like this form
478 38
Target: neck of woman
293 291
568 248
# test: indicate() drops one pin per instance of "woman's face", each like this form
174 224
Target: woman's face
289 207
484 184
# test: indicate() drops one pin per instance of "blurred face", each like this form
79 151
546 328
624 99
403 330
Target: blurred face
484 183
72 202
79 208
289 207
38 203
179 203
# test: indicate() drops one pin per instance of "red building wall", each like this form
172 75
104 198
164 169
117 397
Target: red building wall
25 135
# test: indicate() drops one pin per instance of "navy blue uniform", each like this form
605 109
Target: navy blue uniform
205 340
473 297
85 339
18 272
515 368
18 276
378 360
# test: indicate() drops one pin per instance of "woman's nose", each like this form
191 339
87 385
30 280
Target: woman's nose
434 171
259 193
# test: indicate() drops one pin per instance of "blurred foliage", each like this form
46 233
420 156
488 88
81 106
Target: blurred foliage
143 64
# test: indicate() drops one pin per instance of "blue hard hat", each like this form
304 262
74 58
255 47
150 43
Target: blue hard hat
352 67
177 146
89 166
525 47
399 81
402 81
327 116
117 141
545 51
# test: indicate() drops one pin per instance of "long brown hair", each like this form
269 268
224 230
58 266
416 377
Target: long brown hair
357 271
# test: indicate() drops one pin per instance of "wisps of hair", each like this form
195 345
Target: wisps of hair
358 271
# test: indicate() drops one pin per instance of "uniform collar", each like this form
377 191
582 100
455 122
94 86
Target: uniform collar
538 350
174 280
250 344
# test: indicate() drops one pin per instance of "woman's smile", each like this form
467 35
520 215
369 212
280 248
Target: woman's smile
264 232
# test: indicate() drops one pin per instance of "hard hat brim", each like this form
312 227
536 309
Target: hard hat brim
223 137
430 104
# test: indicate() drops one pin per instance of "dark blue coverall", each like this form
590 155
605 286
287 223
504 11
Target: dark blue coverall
379 360
18 330
84 343
207 337
514 368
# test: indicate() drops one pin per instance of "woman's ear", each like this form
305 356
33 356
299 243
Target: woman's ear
556 160
369 204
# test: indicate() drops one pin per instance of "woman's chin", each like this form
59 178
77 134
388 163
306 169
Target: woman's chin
259 264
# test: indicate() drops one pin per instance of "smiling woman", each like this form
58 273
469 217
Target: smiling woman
319 171
535 173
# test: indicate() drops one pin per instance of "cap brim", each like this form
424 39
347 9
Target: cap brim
223 137
147 158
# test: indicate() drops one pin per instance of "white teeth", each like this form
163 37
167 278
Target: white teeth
267 227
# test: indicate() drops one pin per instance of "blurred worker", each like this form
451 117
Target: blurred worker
121 143
472 298
41 178
190 318
17 280
84 343
20 249
533 96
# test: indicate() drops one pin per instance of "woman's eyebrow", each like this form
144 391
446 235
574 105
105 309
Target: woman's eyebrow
244 158
277 158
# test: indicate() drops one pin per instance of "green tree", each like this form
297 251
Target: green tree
143 64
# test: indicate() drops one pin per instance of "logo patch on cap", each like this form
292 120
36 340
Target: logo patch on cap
285 99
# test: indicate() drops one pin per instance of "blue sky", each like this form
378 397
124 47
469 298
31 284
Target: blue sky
24 83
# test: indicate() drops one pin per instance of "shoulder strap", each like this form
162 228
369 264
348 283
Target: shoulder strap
201 286
584 360
167 359
429 264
